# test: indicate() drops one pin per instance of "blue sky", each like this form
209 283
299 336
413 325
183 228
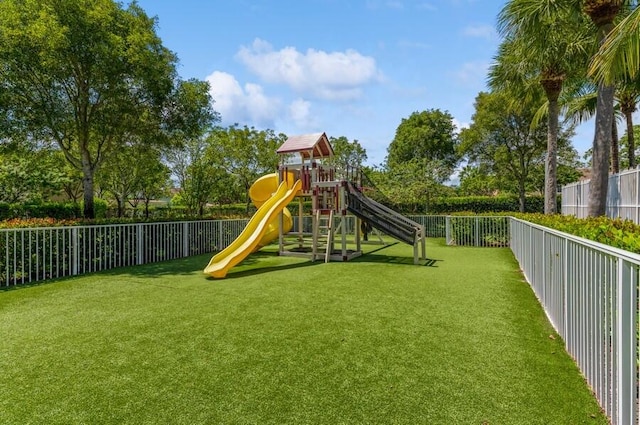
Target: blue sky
346 67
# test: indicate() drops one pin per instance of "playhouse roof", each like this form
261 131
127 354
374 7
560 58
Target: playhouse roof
314 145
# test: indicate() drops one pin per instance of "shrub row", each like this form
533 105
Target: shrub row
69 210
55 210
487 204
619 233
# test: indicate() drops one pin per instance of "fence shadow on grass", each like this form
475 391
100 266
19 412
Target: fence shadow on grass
268 269
395 259
375 257
183 266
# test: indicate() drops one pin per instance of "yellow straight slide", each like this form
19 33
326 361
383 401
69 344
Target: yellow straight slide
248 240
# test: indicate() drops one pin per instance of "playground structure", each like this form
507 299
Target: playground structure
307 172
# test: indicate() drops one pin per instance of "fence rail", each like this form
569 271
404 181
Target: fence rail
36 254
623 197
590 294
477 231
588 290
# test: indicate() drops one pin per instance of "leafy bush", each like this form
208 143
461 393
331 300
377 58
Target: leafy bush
56 210
618 233
480 231
24 223
486 204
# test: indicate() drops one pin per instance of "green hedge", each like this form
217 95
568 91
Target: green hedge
55 210
487 204
619 233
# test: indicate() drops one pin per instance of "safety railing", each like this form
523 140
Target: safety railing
590 294
36 254
492 231
588 290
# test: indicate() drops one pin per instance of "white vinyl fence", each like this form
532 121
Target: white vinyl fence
588 290
590 294
36 254
623 197
435 225
482 231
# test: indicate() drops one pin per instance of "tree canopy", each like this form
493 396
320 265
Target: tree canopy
429 134
88 76
501 137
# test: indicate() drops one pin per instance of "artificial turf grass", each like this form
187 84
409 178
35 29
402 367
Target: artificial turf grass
282 340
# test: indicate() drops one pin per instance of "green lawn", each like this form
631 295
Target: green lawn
459 340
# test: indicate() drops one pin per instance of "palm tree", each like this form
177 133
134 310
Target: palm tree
579 105
628 97
619 59
545 41
602 14
619 55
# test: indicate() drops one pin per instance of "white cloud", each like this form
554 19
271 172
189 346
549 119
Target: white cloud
473 73
237 104
329 76
300 114
480 31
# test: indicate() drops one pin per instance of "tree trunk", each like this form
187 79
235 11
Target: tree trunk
120 204
631 145
87 186
522 196
602 13
615 148
600 156
551 169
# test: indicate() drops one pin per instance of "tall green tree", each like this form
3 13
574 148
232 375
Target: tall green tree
155 182
134 172
246 153
628 98
546 43
569 166
347 155
410 187
619 55
27 175
619 60
603 14
86 75
429 135
478 180
629 149
197 175
501 137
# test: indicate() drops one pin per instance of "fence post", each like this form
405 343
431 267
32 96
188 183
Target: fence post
476 233
185 239
220 244
75 251
447 230
626 341
565 286
544 270
139 244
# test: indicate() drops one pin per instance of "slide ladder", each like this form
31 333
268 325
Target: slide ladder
323 235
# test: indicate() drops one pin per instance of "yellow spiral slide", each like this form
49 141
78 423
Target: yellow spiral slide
263 225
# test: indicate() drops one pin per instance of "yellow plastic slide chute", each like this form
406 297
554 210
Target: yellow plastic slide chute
263 225
260 192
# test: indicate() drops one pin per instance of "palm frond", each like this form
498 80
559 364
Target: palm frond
619 56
